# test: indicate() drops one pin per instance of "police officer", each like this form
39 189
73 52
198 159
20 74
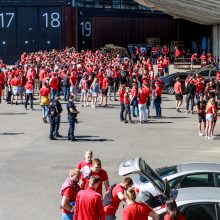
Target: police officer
52 113
72 118
59 109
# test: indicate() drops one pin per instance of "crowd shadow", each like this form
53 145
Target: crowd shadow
174 117
11 133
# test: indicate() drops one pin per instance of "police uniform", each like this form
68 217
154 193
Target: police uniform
72 120
59 109
52 113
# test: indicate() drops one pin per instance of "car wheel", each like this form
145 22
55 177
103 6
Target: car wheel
170 90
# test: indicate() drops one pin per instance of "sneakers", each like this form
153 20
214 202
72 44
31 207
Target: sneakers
201 134
178 110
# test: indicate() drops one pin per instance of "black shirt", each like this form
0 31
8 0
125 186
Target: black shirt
201 105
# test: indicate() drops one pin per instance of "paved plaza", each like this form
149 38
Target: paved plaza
32 168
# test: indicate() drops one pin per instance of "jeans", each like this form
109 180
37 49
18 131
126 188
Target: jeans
110 217
67 216
53 93
157 104
71 130
122 111
29 96
44 111
142 112
135 106
127 112
66 92
189 98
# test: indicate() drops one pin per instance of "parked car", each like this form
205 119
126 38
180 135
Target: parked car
183 176
207 72
196 203
155 186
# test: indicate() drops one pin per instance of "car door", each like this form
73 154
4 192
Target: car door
139 166
197 180
199 211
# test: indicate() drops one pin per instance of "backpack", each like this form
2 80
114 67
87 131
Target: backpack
108 196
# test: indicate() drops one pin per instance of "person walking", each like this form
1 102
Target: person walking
135 210
72 118
201 107
117 196
142 106
89 202
69 190
172 212
44 101
134 101
29 94
157 99
178 94
190 94
121 98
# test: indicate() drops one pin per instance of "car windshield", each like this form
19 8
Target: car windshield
163 172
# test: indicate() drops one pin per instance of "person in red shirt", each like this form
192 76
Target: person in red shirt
84 89
54 85
134 101
29 93
44 100
89 202
105 83
157 101
117 197
16 87
193 59
95 170
84 166
178 94
178 53
127 102
172 212
121 99
2 82
69 191
135 210
73 84
166 63
160 68
142 102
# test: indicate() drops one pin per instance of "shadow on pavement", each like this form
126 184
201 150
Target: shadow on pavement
175 117
84 138
13 113
11 133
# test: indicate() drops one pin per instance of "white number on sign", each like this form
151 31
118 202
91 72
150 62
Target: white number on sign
86 28
53 20
6 19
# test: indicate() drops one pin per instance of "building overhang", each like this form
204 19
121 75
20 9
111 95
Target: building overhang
205 12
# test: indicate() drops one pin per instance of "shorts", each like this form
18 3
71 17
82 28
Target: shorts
104 92
179 97
202 118
16 90
209 117
83 92
94 94
72 89
67 216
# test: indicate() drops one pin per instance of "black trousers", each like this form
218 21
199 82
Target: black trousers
189 99
127 112
122 111
29 96
57 124
71 132
52 126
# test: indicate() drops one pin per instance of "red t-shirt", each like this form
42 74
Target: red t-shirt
126 99
134 92
44 91
211 109
111 209
102 174
178 88
147 91
142 97
16 82
199 87
136 211
121 96
29 86
105 83
158 91
88 206
73 80
69 192
2 78
54 83
180 217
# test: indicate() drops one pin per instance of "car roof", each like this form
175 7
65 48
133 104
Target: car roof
192 167
211 194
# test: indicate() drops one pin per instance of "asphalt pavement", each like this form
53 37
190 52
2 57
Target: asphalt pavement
32 168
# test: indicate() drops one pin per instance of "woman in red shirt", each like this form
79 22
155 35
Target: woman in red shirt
173 212
157 101
136 210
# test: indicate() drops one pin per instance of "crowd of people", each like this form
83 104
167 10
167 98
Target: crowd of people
82 196
95 79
